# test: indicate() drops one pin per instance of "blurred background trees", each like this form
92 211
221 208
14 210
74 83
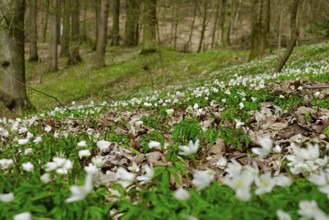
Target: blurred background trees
68 29
184 25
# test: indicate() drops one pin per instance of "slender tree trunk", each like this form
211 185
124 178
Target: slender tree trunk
260 29
97 5
226 28
53 34
102 35
46 18
280 26
294 36
132 23
213 35
75 33
59 15
83 34
298 20
204 24
33 35
149 25
174 24
13 91
189 42
236 15
65 42
116 23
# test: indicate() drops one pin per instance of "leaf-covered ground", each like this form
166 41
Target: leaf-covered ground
244 144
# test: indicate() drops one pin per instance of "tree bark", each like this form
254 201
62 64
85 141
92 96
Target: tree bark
75 57
59 2
203 28
280 26
235 17
83 33
226 23
294 36
116 26
204 24
33 35
132 23
13 91
174 24
102 35
52 53
213 35
189 42
97 5
65 42
260 29
46 18
149 25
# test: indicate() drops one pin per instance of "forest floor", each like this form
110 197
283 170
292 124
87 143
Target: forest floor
221 141
126 73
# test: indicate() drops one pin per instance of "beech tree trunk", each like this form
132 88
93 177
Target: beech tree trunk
13 90
46 18
294 36
53 34
213 35
189 42
75 33
226 23
116 26
260 29
102 35
83 33
33 35
280 26
149 25
65 41
97 5
132 23
203 28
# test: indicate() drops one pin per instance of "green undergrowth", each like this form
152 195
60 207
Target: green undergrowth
173 117
126 73
218 202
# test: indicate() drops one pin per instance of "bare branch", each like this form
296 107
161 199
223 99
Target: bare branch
43 93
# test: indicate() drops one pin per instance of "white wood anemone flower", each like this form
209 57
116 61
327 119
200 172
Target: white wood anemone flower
82 144
221 163
23 216
80 192
6 163
98 161
7 197
181 194
241 184
190 149
134 167
28 166
84 153
103 145
282 215
202 178
264 183
310 210
23 141
266 146
125 178
154 144
147 176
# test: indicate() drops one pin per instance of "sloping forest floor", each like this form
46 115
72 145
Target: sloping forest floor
223 142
